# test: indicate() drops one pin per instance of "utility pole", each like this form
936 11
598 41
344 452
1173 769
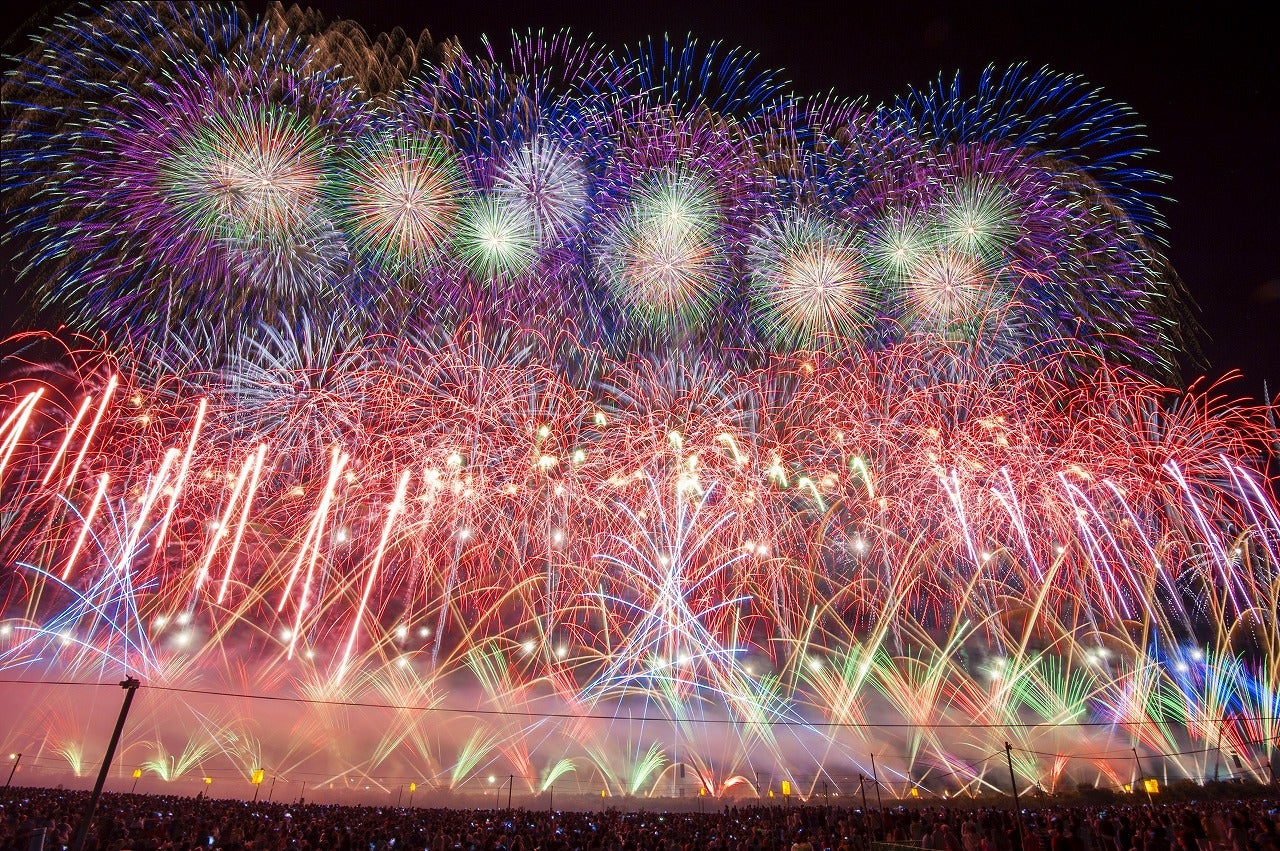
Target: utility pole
1217 759
1141 779
866 822
130 686
675 763
1013 783
875 778
1272 758
16 759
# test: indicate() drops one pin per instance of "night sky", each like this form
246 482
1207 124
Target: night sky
1206 86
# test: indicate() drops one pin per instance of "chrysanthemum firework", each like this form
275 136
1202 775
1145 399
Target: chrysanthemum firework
260 179
662 254
546 181
497 237
527 129
397 194
813 286
197 188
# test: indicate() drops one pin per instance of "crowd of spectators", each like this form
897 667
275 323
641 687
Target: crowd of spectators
33 819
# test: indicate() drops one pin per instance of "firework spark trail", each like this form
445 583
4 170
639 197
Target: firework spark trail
218 527
66 440
86 524
1239 475
312 542
358 618
176 487
112 383
140 527
1101 539
1098 557
14 425
1227 575
244 520
1009 497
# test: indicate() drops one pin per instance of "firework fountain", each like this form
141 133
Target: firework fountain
610 419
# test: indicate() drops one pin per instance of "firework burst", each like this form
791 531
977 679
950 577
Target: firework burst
398 196
813 285
565 391
661 257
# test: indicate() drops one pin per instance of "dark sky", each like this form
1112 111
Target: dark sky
1206 84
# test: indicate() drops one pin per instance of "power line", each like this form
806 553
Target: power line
648 719
1126 752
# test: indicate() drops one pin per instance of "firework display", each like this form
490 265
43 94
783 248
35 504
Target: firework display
619 413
